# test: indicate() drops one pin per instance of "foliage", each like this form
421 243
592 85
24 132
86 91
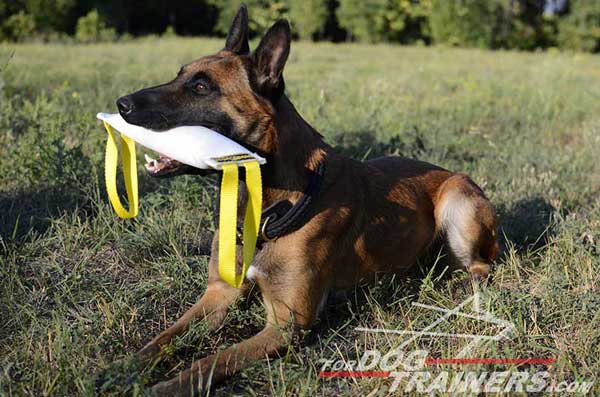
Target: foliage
518 24
523 25
307 17
262 13
403 21
463 22
92 29
18 27
580 30
363 19
169 32
407 21
52 15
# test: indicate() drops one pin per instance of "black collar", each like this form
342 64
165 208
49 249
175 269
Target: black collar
282 217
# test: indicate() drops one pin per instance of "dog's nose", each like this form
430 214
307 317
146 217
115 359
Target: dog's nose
125 105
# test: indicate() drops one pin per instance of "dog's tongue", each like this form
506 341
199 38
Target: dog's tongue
160 166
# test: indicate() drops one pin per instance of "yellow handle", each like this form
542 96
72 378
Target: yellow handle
129 173
228 221
228 204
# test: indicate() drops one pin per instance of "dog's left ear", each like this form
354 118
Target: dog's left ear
270 57
237 38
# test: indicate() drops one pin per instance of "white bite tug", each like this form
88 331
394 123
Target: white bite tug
197 147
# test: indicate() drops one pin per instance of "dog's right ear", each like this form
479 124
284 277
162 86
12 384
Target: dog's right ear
237 38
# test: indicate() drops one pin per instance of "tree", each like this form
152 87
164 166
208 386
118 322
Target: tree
363 19
463 22
407 21
18 27
52 15
263 13
523 24
308 17
580 29
403 21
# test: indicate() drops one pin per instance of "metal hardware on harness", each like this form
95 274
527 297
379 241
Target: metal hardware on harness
282 217
263 228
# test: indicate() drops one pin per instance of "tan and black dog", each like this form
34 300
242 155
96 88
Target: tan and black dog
367 217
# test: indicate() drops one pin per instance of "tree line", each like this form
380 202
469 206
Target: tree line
515 24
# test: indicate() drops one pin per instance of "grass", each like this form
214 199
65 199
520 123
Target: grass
80 289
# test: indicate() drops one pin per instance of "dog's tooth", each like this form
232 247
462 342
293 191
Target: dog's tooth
148 158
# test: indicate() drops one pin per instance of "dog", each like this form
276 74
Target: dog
359 218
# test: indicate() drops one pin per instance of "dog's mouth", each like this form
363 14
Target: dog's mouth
164 166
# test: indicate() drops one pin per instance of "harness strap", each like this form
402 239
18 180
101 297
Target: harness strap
282 217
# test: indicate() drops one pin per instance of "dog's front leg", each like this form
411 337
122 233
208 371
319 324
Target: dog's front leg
290 302
212 306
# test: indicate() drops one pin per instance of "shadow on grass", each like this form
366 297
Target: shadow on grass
413 143
526 224
26 211
32 210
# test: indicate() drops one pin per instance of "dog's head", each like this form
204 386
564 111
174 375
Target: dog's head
232 92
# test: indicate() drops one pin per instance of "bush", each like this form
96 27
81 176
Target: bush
52 15
580 29
169 32
463 22
523 25
92 29
18 27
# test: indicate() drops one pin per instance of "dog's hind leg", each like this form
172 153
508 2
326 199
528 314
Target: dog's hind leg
467 221
212 306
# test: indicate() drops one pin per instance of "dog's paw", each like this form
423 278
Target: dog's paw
173 387
148 353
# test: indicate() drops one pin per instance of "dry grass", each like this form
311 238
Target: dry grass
80 289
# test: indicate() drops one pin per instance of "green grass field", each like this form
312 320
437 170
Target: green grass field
81 289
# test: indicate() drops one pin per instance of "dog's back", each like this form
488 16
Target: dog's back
391 209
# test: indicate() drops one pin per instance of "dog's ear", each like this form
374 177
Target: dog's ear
270 56
237 38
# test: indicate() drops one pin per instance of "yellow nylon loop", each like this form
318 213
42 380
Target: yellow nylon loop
129 173
228 221
252 216
228 204
227 224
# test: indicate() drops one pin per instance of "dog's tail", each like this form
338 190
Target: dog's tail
467 221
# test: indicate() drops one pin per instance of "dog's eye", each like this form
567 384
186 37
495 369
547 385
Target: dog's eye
201 87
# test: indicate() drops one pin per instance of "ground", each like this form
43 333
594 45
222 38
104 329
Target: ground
81 289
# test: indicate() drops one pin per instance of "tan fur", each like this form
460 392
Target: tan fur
374 216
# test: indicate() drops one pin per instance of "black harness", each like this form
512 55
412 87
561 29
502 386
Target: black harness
282 217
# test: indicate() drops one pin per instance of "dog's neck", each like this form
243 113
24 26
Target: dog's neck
297 149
